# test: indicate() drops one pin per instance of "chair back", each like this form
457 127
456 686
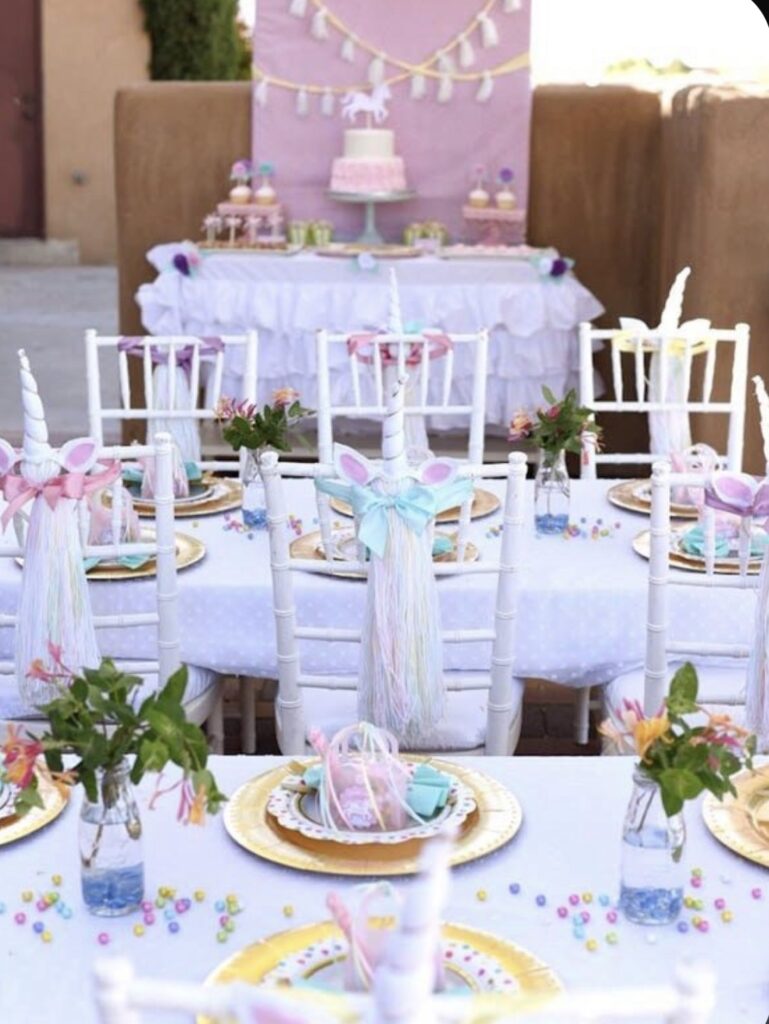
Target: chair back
651 372
292 680
183 381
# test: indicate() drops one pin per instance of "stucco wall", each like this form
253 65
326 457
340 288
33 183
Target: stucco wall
90 49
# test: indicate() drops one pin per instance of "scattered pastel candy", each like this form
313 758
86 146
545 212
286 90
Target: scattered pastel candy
696 921
103 939
563 912
66 912
2 908
41 905
696 882
147 906
38 927
682 926
604 900
481 895
20 917
46 937
514 888
222 936
703 926
579 933
220 906
611 916
169 913
574 899
651 938
689 901
696 872
587 897
720 903
138 930
230 926
52 897
288 910
149 919
541 900
585 915
160 902
56 879
180 906
612 938
698 904
27 896
223 920
173 927
726 916
591 945
756 893
199 895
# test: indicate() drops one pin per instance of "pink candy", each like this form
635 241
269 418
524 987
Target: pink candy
756 893
611 916
563 912
720 903
574 899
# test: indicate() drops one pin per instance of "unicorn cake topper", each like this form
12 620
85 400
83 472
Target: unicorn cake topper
373 104
54 614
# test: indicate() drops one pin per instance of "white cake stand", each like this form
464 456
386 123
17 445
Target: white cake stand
370 234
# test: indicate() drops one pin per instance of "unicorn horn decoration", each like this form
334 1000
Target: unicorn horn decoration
37 463
674 304
763 410
394 318
394 460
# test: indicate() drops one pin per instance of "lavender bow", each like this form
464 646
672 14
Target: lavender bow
738 493
134 347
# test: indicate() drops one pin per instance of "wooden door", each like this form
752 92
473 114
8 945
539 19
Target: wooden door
21 146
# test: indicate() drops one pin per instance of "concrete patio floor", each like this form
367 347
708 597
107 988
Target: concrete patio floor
46 311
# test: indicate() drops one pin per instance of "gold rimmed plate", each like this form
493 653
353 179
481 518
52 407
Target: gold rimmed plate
55 797
495 820
635 496
189 551
310 545
484 504
741 823
693 563
223 495
475 962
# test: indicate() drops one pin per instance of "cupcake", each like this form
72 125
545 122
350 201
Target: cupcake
266 195
241 175
505 197
478 196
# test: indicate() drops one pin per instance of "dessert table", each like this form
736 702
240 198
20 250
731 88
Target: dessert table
581 617
532 318
569 843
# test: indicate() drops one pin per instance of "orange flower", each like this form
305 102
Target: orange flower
19 756
283 397
196 815
647 731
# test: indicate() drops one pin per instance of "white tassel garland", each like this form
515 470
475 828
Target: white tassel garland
466 53
486 88
319 24
260 92
298 8
445 89
489 34
302 103
327 103
376 70
348 49
418 86
446 64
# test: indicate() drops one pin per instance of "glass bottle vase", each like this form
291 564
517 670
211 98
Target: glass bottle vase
111 862
551 493
254 505
652 873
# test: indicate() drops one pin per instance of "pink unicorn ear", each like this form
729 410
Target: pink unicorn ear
352 466
79 455
435 472
8 457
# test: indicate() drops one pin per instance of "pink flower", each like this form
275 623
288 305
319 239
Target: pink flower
284 397
225 408
553 412
520 426
19 756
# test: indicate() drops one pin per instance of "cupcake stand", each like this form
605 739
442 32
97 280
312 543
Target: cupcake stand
370 234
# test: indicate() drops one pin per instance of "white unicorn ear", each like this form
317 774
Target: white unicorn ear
78 455
8 457
352 466
434 472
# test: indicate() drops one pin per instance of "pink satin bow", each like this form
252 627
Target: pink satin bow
18 491
135 347
360 345
740 494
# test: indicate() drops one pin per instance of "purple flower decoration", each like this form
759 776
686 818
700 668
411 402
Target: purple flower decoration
182 264
559 267
506 175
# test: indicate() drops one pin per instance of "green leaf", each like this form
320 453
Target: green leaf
676 786
173 691
549 396
683 686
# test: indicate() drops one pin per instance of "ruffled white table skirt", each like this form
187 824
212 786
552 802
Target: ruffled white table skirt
532 319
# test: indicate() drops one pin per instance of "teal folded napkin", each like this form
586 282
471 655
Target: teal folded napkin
127 561
133 474
426 794
693 543
442 545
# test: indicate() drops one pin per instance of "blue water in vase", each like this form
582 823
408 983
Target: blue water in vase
110 892
651 906
256 518
551 524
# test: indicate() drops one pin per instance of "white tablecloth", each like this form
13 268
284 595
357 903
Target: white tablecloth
569 843
532 319
581 618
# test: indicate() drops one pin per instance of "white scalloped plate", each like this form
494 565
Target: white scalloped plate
298 812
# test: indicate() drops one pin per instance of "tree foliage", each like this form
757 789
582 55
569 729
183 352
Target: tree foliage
200 40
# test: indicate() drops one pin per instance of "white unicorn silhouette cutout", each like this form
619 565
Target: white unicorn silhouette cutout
373 105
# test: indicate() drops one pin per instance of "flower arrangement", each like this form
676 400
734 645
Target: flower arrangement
553 266
242 172
266 169
505 176
244 426
187 261
683 760
95 719
558 427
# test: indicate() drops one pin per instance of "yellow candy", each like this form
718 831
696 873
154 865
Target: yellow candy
612 938
698 904
288 910
160 902
55 879
27 896
199 895
138 930
46 936
727 916
231 897
696 921
591 945
587 897
689 901
481 895
696 872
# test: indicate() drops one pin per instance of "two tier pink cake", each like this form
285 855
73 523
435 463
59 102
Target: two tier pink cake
369 163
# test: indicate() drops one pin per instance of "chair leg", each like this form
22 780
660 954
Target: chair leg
247 715
582 716
215 725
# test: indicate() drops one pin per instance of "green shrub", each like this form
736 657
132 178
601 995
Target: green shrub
198 40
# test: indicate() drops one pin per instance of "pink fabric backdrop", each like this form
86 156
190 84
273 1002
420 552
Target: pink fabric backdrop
440 142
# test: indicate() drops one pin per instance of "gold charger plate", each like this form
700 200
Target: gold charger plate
55 800
493 823
228 495
189 550
623 496
677 560
484 504
251 965
309 546
741 823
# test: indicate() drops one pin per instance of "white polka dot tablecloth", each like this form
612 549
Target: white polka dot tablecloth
581 617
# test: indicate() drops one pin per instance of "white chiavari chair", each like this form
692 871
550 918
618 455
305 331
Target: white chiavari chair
329 701
721 667
672 352
183 408
203 697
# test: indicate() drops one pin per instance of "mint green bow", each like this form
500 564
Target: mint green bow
416 506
